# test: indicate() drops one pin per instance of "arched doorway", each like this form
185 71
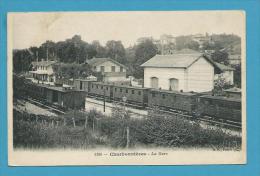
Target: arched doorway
174 84
154 82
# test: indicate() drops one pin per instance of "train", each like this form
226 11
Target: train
190 103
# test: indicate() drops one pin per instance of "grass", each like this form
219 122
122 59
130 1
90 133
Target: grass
104 131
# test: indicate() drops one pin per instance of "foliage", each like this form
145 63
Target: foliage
143 52
72 70
219 85
220 57
183 42
157 131
237 75
116 51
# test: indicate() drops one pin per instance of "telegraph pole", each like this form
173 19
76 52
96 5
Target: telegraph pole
104 93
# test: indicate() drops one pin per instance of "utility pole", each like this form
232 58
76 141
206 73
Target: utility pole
104 93
47 54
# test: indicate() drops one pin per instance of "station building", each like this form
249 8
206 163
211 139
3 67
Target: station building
180 72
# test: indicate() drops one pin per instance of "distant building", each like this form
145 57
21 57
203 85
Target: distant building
167 44
43 71
226 72
234 59
201 39
111 70
180 72
143 39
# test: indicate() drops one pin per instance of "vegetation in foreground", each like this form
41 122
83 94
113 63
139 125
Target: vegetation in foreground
83 130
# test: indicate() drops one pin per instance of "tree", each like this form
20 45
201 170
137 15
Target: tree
22 60
220 57
183 42
219 85
116 50
237 75
143 52
100 50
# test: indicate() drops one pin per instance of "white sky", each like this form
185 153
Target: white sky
32 29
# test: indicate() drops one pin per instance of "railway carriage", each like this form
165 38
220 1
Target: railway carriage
173 100
83 84
135 95
36 91
65 98
220 107
100 89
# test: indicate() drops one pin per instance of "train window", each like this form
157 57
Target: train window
133 91
163 96
120 90
153 94
139 92
126 91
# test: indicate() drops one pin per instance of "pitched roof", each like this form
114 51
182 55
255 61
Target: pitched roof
97 61
223 67
43 63
174 60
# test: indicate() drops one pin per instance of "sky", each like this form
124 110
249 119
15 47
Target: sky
33 29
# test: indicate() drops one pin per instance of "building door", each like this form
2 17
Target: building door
80 85
154 82
102 68
55 97
174 84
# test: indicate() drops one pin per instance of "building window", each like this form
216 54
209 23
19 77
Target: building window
133 91
115 89
113 68
173 84
126 91
154 82
153 95
121 69
95 68
120 90
97 86
92 86
102 68
101 87
139 92
107 88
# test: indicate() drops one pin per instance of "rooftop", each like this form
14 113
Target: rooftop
223 67
97 61
176 60
43 63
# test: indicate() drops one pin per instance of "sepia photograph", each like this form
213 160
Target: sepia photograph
126 88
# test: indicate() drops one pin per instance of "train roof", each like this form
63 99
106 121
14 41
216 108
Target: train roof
174 92
82 79
132 87
221 98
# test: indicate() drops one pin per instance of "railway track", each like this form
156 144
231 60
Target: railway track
52 108
206 119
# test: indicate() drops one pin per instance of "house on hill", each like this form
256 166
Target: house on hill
43 71
111 70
